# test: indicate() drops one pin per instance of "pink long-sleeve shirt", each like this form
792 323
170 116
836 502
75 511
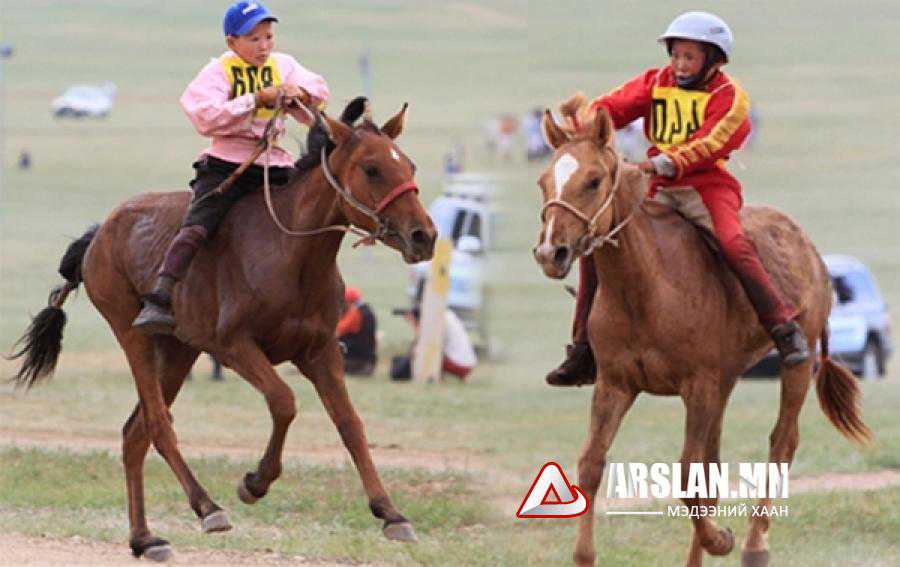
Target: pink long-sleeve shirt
220 104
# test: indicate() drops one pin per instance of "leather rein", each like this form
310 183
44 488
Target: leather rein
594 240
382 227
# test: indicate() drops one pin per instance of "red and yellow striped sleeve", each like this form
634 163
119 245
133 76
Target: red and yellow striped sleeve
725 127
630 101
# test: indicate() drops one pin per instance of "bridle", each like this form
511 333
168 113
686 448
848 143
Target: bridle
383 227
591 240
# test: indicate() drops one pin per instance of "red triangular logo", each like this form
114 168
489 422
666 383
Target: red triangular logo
552 496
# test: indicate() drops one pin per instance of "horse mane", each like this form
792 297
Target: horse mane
318 138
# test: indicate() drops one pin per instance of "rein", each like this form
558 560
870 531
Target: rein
382 228
596 241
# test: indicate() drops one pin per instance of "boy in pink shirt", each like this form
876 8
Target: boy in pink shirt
231 101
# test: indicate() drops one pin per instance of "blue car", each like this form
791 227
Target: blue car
860 328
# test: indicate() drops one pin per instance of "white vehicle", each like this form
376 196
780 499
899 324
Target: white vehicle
464 209
85 100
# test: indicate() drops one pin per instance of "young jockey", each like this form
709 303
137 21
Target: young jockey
231 101
695 116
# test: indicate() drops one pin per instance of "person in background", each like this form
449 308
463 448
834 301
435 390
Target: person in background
459 354
356 332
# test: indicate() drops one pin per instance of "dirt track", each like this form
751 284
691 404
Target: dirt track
25 550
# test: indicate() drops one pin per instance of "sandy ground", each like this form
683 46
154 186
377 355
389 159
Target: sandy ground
24 550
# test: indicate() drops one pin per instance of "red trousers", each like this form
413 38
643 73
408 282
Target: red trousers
723 203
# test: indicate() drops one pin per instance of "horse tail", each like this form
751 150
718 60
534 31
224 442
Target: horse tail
838 392
42 341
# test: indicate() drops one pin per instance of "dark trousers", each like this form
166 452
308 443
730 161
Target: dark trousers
208 210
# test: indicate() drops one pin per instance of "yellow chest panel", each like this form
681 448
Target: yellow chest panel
244 78
677 113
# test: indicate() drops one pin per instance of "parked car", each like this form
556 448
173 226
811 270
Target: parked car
85 100
860 328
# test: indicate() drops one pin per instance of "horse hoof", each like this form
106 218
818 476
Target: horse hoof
755 558
158 553
244 494
400 531
215 522
727 538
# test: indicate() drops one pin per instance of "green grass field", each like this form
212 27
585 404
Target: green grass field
457 459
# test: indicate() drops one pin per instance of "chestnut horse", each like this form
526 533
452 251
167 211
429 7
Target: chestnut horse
253 297
670 318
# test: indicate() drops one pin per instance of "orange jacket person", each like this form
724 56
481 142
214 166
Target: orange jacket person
695 116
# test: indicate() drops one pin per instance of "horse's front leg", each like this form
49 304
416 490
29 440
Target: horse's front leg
705 404
608 407
248 360
326 372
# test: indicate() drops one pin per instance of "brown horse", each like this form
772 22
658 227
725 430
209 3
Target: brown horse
669 318
254 297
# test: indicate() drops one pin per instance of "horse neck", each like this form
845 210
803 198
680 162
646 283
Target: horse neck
315 205
632 267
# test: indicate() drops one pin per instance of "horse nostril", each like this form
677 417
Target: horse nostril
419 237
561 255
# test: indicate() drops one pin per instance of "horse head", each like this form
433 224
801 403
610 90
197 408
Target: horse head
577 186
375 179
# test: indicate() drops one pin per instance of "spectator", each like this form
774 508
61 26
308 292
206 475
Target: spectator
356 332
459 355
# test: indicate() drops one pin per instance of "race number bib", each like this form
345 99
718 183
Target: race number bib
677 113
246 79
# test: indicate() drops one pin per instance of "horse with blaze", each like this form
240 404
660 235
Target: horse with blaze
669 318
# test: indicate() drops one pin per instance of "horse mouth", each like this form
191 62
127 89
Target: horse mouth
555 262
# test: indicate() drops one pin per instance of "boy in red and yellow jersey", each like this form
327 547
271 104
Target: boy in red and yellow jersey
695 116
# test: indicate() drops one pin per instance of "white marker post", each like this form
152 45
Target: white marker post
429 352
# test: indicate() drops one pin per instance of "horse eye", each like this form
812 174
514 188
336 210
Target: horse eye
593 184
371 170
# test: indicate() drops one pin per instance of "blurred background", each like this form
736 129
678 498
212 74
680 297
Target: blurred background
458 457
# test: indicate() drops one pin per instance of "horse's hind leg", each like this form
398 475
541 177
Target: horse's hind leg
175 360
326 374
608 407
782 445
140 351
246 358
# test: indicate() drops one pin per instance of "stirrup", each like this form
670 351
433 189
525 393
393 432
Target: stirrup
154 319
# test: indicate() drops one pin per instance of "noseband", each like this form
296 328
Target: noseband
594 240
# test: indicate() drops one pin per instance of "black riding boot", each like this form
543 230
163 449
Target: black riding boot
790 340
156 317
577 369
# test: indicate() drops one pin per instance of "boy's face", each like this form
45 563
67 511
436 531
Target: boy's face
256 46
687 58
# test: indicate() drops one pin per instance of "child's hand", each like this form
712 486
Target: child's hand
268 96
647 167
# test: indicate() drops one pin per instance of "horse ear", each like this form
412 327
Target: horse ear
394 126
602 127
553 134
338 132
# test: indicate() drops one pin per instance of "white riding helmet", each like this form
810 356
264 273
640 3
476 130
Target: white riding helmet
701 26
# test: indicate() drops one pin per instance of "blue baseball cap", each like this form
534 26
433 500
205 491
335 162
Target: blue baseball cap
242 17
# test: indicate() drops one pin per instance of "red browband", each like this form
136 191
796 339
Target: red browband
395 193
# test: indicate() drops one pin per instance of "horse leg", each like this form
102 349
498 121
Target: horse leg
248 360
140 351
782 445
608 407
327 375
713 444
176 363
705 407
